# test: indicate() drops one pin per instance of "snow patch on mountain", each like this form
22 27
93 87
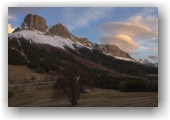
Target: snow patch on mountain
122 58
146 62
35 36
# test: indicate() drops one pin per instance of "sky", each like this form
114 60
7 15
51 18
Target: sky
133 29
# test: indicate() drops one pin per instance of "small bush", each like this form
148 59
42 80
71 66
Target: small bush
123 86
152 86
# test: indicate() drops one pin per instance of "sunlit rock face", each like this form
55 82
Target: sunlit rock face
35 22
60 30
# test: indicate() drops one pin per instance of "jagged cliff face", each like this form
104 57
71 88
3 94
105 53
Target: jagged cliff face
83 41
60 30
35 22
112 50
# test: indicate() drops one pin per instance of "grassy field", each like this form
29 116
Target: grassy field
105 97
22 74
40 95
33 96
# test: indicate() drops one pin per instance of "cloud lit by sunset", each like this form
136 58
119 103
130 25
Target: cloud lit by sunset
126 28
122 41
10 29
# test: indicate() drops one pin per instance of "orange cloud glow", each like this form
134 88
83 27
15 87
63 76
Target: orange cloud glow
127 28
9 17
127 34
122 41
10 29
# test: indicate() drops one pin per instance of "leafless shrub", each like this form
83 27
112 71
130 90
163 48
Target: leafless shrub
69 89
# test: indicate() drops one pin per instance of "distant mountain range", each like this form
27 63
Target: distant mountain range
54 49
147 62
34 28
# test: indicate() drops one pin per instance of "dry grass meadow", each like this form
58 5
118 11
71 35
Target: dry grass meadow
40 95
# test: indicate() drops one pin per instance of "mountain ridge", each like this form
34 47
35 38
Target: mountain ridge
36 22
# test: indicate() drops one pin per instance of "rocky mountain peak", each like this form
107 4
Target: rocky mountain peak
35 22
60 30
112 50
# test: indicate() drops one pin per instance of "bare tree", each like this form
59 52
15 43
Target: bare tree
69 89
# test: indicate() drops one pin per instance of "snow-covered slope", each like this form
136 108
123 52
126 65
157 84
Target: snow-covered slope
146 62
34 36
156 64
126 59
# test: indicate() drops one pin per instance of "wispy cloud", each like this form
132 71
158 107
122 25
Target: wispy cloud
122 41
154 49
11 17
24 10
10 28
153 57
132 30
146 11
151 22
85 16
126 28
